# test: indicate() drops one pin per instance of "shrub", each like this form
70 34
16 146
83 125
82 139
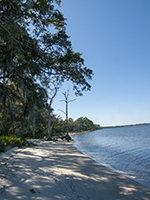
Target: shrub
10 141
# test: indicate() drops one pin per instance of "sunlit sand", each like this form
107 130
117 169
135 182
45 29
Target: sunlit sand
58 171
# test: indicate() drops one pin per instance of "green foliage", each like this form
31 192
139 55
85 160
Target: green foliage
32 56
58 127
81 124
9 141
85 124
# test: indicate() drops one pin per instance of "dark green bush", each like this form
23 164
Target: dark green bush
10 141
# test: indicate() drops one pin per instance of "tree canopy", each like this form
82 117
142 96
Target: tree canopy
85 124
34 51
30 49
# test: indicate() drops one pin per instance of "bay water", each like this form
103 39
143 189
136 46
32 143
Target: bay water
123 149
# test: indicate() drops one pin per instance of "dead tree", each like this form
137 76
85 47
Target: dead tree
67 101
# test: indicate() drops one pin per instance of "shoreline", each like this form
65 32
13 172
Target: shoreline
109 166
125 125
57 170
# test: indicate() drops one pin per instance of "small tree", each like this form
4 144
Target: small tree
49 113
53 88
67 101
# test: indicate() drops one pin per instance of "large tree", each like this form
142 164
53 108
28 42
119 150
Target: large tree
34 49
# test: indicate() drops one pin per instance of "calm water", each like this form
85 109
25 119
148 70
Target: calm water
125 149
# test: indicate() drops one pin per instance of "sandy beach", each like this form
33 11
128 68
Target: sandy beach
58 171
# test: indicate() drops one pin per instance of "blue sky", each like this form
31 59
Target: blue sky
114 37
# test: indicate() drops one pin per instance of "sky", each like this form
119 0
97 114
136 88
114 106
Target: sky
114 37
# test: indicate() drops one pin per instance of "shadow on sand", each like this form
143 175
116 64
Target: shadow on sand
58 171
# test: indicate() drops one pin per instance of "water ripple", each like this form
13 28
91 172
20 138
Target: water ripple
125 149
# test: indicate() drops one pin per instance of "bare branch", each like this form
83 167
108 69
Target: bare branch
62 111
66 95
51 99
66 100
71 100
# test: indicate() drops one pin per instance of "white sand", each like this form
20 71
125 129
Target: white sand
58 171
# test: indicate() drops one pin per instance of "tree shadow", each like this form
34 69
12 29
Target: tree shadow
57 170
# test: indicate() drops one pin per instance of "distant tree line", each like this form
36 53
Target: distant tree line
58 125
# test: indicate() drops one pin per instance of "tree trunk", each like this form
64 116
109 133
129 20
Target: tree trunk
67 121
33 120
33 128
49 124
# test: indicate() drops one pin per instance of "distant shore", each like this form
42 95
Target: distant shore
57 170
128 125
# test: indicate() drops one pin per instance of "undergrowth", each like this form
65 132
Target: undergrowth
10 141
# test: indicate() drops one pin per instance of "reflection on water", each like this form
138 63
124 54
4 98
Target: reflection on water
125 149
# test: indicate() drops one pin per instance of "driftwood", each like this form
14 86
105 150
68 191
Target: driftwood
52 139
55 138
66 137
